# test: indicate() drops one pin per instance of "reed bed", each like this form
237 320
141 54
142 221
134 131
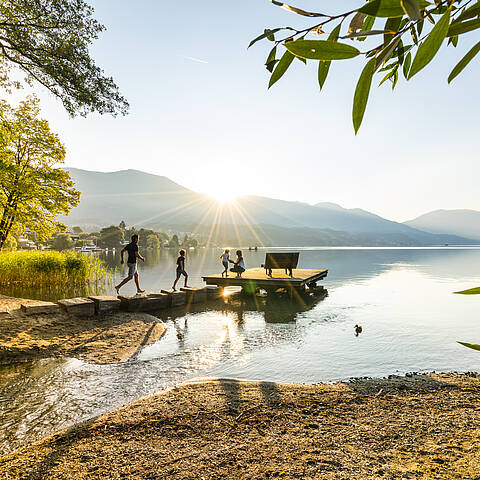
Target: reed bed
51 269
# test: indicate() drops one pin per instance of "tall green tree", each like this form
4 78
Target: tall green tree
153 242
33 190
394 38
62 241
111 237
48 40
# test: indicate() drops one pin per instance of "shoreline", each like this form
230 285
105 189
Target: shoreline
418 426
103 339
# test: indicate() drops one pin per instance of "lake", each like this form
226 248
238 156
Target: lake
402 298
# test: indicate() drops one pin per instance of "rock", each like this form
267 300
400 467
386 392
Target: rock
81 307
195 294
176 298
35 307
145 303
105 304
214 292
4 312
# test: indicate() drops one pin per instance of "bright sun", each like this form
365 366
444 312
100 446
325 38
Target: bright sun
223 196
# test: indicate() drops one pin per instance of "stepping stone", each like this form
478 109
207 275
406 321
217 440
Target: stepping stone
157 300
214 292
36 307
104 303
195 294
144 303
81 307
176 298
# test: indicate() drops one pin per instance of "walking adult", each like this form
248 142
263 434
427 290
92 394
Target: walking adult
132 251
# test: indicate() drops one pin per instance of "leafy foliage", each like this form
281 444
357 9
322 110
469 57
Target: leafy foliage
50 268
62 241
473 346
48 41
111 237
470 291
399 42
33 191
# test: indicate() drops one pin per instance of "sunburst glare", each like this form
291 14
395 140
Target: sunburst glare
223 196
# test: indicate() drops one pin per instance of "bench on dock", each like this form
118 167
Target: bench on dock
276 260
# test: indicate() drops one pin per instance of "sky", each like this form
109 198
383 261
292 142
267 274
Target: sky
201 114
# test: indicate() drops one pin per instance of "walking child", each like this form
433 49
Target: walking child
180 269
225 257
132 250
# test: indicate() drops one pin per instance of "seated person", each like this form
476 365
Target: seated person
239 264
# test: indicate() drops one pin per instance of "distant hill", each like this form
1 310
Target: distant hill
152 201
461 222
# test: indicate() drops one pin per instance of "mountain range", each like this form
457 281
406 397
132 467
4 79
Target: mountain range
156 202
463 222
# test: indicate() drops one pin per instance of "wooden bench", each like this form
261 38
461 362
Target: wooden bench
288 261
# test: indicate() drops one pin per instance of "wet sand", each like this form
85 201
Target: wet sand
107 338
420 426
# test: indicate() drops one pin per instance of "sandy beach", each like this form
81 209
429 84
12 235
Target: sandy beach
107 338
419 426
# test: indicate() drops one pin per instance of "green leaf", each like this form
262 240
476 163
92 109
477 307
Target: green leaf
464 62
420 27
335 33
392 25
464 27
270 63
367 33
386 77
473 11
388 8
361 94
453 40
470 345
470 291
406 65
383 8
428 49
413 33
367 25
324 65
281 67
322 49
386 53
265 34
411 8
323 69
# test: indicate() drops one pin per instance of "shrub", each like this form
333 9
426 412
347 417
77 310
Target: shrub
39 269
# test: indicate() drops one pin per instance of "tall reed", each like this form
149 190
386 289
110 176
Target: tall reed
40 269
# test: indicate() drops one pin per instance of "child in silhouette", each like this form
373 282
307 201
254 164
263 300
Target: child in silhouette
180 270
225 257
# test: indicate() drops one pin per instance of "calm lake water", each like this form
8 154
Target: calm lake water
401 297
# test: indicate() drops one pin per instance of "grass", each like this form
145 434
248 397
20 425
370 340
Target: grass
470 291
52 269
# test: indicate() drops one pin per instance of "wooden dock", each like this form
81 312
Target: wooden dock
254 279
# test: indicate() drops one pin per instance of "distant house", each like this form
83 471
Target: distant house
26 244
74 236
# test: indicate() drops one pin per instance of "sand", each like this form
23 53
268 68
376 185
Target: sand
421 427
107 338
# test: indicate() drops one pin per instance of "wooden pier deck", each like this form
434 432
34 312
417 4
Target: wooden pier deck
257 278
